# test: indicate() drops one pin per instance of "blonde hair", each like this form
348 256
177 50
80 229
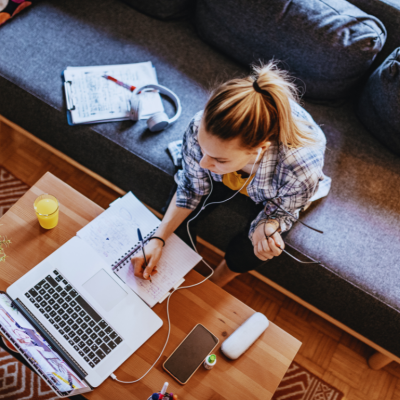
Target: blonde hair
236 110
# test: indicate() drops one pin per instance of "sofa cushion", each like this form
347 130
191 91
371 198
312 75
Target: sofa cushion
360 217
163 9
388 11
379 105
327 47
10 8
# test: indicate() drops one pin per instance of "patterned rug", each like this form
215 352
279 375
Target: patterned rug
11 189
300 384
18 382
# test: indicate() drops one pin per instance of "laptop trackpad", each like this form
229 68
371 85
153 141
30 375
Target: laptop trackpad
104 290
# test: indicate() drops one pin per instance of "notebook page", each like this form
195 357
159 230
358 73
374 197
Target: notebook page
114 232
98 99
176 261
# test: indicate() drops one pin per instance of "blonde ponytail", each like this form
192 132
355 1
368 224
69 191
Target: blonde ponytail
236 109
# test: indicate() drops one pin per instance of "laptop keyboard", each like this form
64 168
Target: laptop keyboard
74 318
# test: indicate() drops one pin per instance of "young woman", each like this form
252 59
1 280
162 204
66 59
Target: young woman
254 137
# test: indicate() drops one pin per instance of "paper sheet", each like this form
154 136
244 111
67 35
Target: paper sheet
98 99
114 232
176 261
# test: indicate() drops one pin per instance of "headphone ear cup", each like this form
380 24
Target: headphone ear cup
158 122
136 108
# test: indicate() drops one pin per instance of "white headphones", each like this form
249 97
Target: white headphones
160 120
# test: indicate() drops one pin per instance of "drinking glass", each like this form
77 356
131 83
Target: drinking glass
47 207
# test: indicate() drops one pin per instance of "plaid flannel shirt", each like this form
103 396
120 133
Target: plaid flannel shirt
292 177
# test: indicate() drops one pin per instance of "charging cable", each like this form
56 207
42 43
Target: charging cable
113 376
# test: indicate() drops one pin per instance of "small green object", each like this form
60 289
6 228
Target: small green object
212 358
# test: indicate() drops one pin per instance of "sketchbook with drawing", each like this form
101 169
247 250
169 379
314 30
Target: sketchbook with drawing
113 235
92 98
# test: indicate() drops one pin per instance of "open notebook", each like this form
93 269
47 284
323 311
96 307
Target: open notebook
113 234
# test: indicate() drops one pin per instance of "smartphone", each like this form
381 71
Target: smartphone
190 354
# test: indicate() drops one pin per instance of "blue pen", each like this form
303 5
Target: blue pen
144 255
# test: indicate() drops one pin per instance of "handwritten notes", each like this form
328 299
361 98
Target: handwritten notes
113 235
176 261
114 232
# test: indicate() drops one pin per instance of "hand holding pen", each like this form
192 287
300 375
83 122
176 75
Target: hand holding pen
145 264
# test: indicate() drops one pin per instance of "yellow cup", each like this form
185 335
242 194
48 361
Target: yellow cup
47 207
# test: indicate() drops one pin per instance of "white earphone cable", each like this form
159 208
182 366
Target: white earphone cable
219 202
113 376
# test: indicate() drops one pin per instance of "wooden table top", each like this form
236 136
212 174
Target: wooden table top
256 374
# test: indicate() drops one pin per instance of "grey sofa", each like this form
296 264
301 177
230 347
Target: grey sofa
357 282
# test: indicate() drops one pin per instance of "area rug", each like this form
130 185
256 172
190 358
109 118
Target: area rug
11 189
18 382
301 384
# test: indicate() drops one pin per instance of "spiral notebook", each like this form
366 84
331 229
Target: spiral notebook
113 234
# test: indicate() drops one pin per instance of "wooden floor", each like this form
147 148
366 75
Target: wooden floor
327 351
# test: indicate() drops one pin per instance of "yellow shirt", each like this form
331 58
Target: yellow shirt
235 181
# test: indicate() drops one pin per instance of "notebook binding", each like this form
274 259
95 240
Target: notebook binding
133 250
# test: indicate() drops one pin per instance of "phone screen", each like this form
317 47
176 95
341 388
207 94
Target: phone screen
191 353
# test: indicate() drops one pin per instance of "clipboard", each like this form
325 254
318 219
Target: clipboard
91 98
68 98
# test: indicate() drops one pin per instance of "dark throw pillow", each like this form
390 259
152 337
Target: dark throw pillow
378 107
327 46
9 8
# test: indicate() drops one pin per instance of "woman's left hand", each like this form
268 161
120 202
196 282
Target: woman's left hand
266 249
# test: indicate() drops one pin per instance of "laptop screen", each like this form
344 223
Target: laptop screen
37 351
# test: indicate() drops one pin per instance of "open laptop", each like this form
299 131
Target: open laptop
87 315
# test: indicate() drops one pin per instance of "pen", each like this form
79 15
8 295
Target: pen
126 86
142 244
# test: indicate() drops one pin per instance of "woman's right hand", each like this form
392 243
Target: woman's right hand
153 251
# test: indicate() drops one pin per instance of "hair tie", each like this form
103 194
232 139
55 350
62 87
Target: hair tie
156 237
258 89
264 92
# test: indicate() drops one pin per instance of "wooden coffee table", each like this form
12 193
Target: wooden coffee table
256 374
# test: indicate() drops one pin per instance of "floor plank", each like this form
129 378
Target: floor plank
327 351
